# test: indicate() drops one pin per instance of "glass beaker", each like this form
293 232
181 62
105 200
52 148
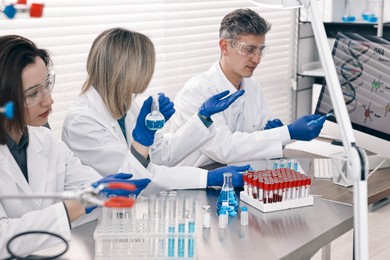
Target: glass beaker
348 17
227 198
368 14
155 120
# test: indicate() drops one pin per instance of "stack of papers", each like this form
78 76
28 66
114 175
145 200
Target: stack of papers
321 148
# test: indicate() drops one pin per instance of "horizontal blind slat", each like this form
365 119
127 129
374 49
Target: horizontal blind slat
185 34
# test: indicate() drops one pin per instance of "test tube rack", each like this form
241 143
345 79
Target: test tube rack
289 204
135 233
277 189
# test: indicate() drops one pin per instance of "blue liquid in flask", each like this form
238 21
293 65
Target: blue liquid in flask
227 198
155 120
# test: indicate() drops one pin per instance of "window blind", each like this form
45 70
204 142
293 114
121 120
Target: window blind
185 34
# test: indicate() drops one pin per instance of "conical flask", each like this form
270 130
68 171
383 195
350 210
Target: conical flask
227 198
155 120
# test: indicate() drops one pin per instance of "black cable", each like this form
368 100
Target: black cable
14 256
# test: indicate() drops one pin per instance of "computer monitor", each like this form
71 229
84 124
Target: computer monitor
363 68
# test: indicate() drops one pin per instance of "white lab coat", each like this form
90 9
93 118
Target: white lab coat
239 136
95 137
51 168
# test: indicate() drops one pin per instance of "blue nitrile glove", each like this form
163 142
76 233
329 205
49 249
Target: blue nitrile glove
125 178
141 133
215 177
166 106
90 209
216 104
299 130
273 124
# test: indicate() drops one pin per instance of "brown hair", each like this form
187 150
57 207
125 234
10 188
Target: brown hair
16 53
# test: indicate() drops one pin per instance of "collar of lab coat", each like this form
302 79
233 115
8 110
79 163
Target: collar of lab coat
37 163
96 101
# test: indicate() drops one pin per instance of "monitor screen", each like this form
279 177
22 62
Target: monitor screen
363 68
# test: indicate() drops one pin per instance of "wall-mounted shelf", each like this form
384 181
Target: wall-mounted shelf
312 69
358 27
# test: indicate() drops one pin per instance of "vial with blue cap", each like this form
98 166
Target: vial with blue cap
223 218
155 120
244 215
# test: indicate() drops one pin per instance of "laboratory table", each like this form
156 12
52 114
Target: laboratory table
378 184
288 234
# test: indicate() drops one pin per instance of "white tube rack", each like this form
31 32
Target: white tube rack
270 207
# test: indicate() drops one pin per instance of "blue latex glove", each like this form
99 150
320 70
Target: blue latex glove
273 124
299 130
215 177
166 106
125 178
90 209
216 104
141 133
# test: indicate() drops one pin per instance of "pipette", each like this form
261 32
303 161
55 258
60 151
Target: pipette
8 110
88 194
315 121
155 120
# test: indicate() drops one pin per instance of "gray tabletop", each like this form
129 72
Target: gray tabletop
288 234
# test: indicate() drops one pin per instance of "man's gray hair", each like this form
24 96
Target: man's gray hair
243 22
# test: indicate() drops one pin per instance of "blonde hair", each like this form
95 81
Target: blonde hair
120 64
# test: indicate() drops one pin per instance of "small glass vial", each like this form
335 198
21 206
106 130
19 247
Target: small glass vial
206 218
223 218
227 198
244 216
155 120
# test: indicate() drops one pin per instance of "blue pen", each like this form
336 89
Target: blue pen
318 119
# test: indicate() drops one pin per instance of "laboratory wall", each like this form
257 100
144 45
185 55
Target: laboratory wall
308 64
185 34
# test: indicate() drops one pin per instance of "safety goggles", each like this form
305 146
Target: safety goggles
35 94
248 50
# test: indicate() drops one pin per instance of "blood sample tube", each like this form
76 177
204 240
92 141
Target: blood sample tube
254 187
276 190
245 178
260 189
271 190
249 180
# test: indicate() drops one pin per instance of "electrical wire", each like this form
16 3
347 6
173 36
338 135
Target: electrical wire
14 256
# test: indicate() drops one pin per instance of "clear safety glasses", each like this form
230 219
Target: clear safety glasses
248 50
35 94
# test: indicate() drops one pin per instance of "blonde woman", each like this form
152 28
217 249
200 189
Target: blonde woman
107 131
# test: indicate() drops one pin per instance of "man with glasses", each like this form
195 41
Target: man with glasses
246 130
